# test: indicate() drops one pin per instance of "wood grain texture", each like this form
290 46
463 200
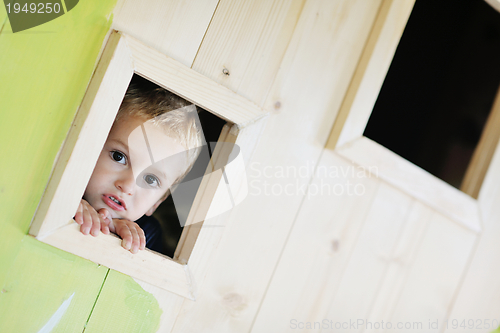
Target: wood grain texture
319 247
236 281
415 181
370 260
478 297
210 185
192 86
106 250
370 72
435 275
248 39
121 56
173 27
85 140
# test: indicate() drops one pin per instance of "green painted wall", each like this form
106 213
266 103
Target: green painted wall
44 72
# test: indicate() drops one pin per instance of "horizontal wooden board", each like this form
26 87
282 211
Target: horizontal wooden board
192 86
106 250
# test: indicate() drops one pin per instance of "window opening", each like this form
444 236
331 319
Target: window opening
171 217
440 88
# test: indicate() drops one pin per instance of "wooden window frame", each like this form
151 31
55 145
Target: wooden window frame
122 57
348 141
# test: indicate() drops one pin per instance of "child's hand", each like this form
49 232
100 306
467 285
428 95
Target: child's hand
133 238
90 220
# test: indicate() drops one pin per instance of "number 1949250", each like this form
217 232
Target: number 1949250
39 8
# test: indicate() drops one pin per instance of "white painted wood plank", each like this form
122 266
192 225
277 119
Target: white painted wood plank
478 298
169 303
371 257
435 276
106 250
192 86
319 247
294 137
173 27
400 264
415 181
248 40
371 71
85 139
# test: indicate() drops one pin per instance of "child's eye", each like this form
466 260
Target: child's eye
152 180
118 157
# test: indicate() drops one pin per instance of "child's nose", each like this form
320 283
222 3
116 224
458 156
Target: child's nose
126 183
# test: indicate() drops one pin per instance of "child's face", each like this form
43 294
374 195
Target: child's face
137 165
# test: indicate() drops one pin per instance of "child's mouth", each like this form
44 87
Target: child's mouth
113 202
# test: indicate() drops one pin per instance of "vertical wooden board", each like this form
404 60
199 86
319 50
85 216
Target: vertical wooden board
175 28
124 306
370 72
248 39
319 246
369 262
48 288
400 264
435 276
478 297
293 138
490 190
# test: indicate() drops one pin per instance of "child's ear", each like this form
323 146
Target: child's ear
152 209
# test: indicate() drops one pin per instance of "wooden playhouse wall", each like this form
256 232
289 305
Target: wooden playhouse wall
282 259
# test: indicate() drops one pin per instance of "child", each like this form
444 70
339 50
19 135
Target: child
152 145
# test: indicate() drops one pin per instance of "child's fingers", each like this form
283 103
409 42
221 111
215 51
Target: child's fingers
123 231
142 238
79 214
104 224
106 220
132 235
136 241
87 221
96 222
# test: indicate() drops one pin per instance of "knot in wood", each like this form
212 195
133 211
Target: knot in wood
234 303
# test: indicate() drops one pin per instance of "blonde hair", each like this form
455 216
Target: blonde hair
176 116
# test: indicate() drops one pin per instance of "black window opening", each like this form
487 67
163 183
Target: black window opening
166 214
440 87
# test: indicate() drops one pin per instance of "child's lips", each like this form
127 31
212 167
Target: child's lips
114 202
